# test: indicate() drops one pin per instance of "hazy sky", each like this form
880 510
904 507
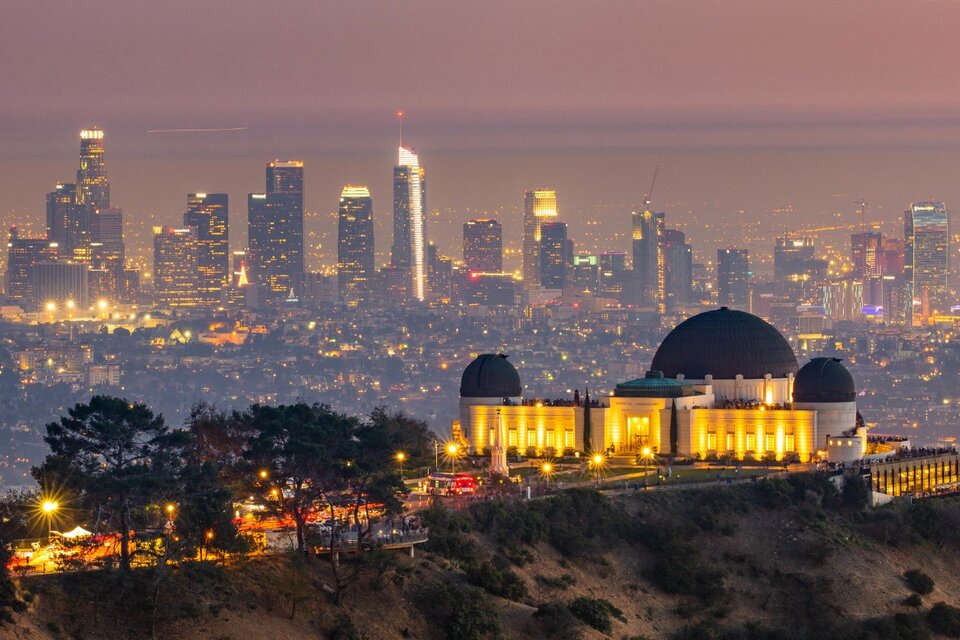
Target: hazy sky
748 104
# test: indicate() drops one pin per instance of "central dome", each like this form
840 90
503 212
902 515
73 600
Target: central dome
490 376
724 343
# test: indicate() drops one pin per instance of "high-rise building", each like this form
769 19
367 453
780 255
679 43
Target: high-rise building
865 250
60 284
22 255
356 267
586 273
176 276
897 301
539 206
555 258
483 246
409 250
649 271
107 252
209 214
61 212
891 257
926 233
275 235
613 270
678 269
439 273
93 189
733 278
798 273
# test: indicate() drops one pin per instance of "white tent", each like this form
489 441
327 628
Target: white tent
78 532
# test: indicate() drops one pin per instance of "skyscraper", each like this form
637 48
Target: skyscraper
678 269
648 267
107 252
733 278
613 269
275 233
355 249
176 277
483 246
409 250
93 189
22 255
554 256
926 233
208 213
865 251
798 273
61 204
539 206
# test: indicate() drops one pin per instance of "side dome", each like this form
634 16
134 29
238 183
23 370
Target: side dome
490 376
725 343
824 380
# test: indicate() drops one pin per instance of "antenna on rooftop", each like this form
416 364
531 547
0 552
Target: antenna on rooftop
649 195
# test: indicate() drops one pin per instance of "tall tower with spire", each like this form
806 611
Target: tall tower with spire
409 250
93 189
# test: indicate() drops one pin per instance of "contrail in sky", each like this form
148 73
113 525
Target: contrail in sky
197 130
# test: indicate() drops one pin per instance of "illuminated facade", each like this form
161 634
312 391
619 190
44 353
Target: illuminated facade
733 278
483 246
554 255
355 247
275 231
648 265
539 206
208 213
22 255
93 189
409 250
176 276
758 405
926 231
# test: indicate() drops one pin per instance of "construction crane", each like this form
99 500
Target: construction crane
863 212
648 195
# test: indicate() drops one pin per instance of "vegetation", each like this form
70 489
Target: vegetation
944 619
9 601
919 581
461 611
596 612
556 620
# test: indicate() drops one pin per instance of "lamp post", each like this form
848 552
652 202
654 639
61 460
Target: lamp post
401 456
597 461
436 455
452 452
546 470
49 507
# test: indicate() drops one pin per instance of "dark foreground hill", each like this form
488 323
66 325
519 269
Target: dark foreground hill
790 559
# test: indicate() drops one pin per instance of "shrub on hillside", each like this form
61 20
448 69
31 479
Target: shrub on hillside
557 621
493 576
459 611
919 581
913 600
944 619
447 533
596 612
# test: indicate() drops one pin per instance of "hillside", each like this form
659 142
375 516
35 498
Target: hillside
774 559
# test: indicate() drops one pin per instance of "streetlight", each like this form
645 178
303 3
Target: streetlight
546 470
264 474
645 454
49 508
596 461
171 509
401 456
452 453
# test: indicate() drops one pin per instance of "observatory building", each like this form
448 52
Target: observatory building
723 383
